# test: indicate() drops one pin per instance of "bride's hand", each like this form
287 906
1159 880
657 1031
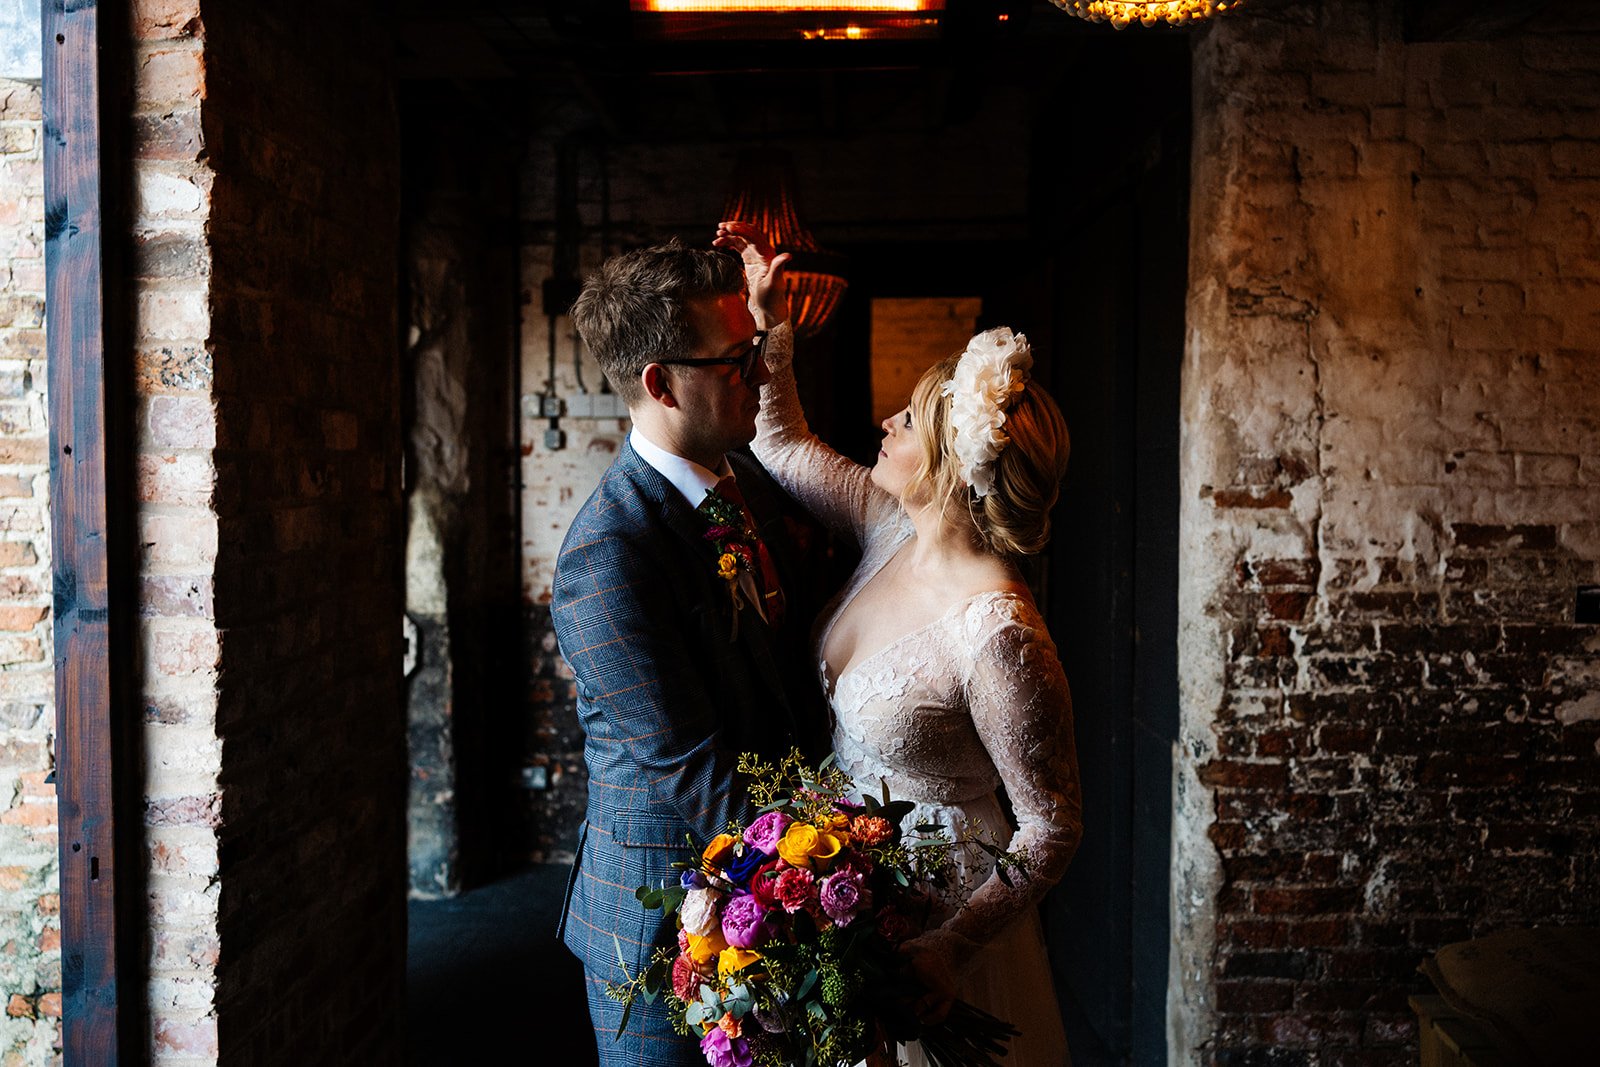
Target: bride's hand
763 270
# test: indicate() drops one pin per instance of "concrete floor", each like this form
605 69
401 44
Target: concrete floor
487 982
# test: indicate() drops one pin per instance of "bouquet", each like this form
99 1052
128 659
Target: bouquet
789 930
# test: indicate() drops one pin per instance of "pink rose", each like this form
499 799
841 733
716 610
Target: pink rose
720 1050
766 831
744 922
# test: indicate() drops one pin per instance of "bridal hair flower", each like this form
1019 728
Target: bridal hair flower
991 372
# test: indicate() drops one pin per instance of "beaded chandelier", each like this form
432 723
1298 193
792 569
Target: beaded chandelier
763 194
1146 12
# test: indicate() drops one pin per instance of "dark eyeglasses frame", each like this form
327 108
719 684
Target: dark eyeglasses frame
746 363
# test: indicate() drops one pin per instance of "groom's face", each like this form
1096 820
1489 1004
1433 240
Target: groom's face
717 404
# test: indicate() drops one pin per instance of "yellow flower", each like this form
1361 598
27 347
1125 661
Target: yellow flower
796 845
702 950
803 845
719 851
731 960
728 566
837 820
827 850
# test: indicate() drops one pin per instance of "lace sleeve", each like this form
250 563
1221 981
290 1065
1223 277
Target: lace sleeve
1022 709
837 490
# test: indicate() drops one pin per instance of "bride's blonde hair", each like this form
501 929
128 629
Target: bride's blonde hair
1014 518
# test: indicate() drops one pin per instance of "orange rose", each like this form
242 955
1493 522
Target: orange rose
731 960
719 851
702 950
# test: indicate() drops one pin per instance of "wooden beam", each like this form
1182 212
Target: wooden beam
91 645
1466 20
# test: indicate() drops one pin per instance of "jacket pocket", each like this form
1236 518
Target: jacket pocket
648 829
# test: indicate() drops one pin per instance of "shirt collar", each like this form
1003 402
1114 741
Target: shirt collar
690 479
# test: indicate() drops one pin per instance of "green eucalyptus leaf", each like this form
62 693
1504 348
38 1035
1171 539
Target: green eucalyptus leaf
806 984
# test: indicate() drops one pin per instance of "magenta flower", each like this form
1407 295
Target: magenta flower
723 1051
795 889
766 831
744 922
844 896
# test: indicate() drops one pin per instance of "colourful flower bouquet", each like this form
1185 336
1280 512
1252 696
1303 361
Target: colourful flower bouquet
789 931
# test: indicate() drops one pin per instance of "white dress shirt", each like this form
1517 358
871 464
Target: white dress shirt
687 477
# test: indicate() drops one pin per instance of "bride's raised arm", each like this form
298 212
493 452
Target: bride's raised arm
834 488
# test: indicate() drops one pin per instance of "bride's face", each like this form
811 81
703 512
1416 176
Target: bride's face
899 456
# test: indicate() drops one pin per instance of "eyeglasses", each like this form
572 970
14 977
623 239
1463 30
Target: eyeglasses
746 362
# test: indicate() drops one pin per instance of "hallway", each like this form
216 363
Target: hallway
485 974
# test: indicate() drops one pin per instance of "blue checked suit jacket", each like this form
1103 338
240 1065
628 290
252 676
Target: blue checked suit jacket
666 700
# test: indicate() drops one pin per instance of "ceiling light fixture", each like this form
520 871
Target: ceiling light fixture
778 7
763 194
1120 13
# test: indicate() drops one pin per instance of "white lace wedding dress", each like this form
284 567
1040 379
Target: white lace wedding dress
944 715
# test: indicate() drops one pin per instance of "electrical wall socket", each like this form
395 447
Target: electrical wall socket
596 406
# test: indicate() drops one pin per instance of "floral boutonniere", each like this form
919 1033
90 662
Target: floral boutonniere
731 538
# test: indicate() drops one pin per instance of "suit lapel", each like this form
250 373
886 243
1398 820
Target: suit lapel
690 526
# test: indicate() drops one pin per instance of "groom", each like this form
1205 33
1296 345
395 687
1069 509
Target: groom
682 660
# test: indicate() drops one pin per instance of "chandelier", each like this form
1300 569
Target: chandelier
763 195
1146 12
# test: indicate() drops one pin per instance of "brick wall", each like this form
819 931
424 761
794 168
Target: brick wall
268 468
177 432
301 132
30 925
1391 725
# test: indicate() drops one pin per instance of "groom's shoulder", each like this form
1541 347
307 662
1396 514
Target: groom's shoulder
618 503
617 521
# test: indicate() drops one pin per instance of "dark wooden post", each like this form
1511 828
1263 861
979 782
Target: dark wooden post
82 540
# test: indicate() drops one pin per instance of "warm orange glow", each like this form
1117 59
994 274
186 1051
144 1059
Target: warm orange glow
775 7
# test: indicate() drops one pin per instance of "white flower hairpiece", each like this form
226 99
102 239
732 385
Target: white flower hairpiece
992 371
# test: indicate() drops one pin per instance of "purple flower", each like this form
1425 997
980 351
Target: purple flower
765 832
744 921
723 1051
692 880
844 895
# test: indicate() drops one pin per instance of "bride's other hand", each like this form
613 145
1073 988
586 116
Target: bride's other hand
763 270
931 967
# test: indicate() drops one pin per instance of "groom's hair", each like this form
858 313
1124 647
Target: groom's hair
631 310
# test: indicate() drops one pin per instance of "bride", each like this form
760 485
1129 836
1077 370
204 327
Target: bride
940 675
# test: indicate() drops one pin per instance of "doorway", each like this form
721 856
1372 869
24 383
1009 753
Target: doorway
979 171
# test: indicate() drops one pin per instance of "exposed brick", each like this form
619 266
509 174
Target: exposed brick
1271 572
1251 498
1237 774
1241 995
1526 536
175 135
18 619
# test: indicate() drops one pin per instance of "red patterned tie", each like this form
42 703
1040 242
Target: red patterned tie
766 574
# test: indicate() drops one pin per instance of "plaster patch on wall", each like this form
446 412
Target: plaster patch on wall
1585 709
